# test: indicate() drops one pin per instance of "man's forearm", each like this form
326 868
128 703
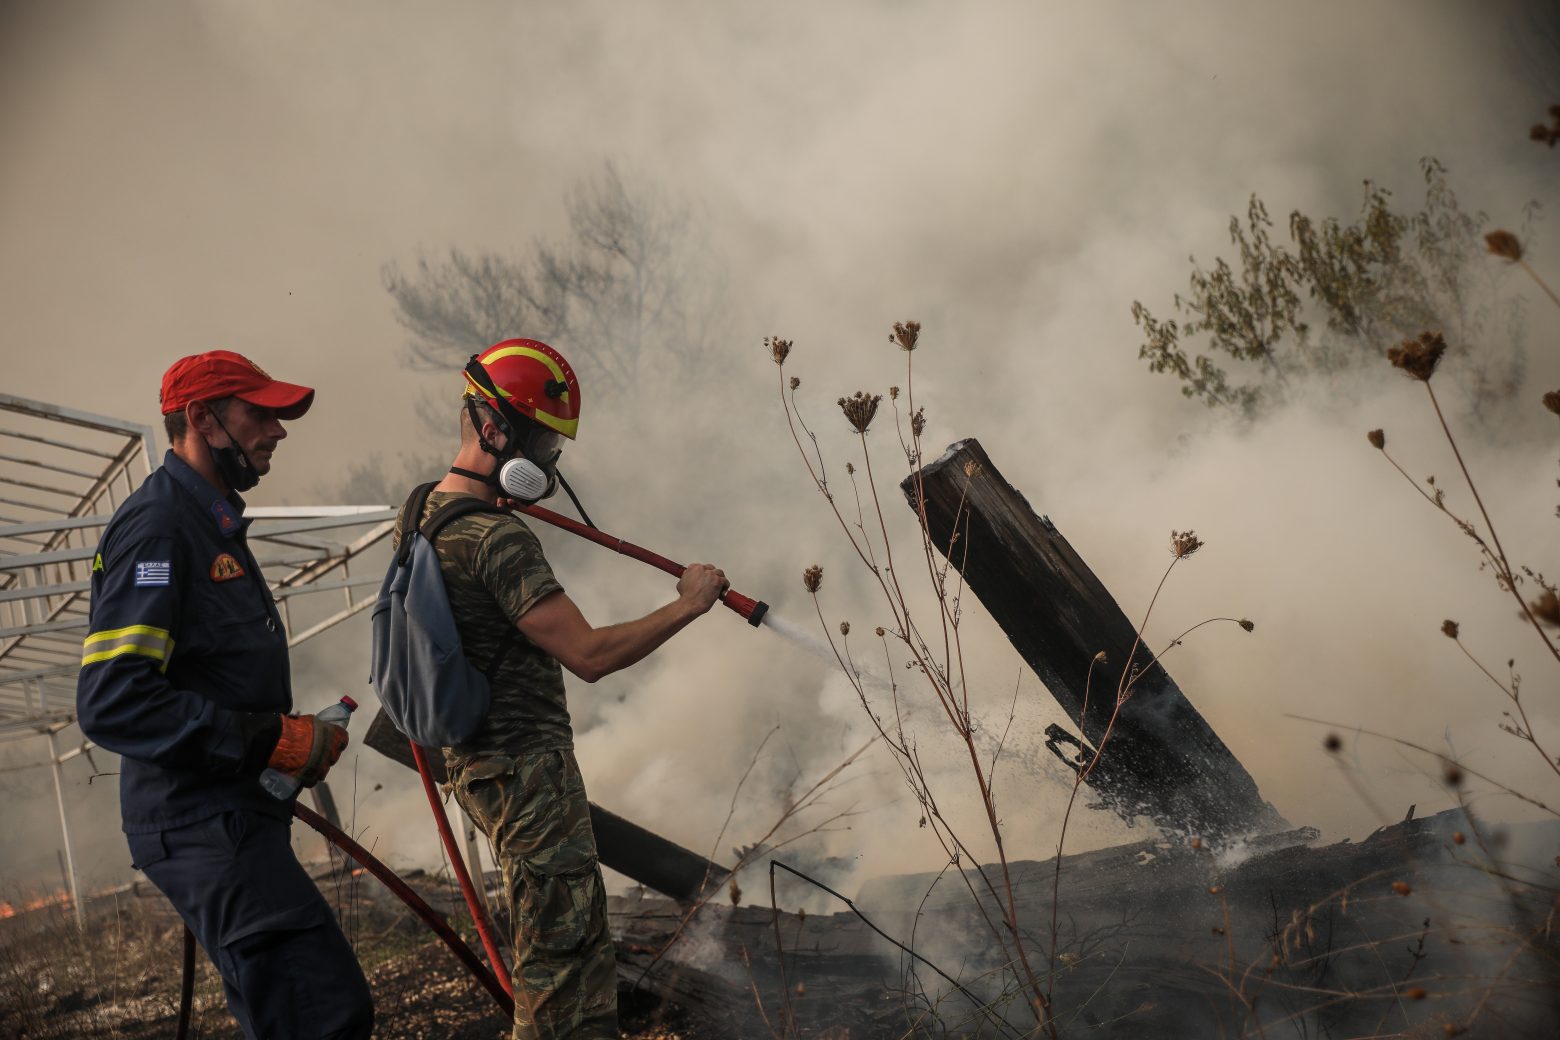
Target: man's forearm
615 647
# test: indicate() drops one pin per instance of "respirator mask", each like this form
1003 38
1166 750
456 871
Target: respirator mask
526 468
532 474
232 464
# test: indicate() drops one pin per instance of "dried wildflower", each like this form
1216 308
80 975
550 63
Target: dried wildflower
1452 1029
879 631
1504 244
859 408
812 577
893 393
736 892
844 628
1378 440
1552 401
1449 629
1196 842
1415 993
971 467
1452 774
1099 658
1548 134
1417 358
795 382
801 989
1184 543
918 421
1547 608
905 334
1333 742
1247 624
850 469
1402 888
779 349
1458 838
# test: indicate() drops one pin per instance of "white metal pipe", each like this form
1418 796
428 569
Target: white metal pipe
70 861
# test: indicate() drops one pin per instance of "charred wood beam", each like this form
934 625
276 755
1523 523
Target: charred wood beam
623 845
1163 760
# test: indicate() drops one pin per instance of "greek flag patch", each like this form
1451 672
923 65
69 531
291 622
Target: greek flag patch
152 572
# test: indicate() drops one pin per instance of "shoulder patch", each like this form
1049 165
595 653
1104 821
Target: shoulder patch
97 564
227 519
153 572
226 568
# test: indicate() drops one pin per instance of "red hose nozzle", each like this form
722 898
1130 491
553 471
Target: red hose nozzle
752 610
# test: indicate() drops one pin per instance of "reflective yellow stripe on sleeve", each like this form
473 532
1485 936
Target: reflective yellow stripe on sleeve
133 639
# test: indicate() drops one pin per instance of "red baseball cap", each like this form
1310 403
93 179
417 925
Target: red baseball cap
222 373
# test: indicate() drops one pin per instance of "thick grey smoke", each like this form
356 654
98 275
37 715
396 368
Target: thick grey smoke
185 176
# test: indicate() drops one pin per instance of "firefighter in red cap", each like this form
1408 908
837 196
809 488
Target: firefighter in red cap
516 777
184 674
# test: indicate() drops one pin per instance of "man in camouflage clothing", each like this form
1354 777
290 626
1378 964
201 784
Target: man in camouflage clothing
517 777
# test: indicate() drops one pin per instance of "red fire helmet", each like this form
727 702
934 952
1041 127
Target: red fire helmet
529 377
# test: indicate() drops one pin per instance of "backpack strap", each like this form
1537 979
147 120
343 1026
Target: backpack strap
465 506
411 513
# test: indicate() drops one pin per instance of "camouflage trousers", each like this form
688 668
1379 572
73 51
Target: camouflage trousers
532 807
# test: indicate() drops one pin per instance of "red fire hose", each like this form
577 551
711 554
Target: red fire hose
751 610
431 917
484 927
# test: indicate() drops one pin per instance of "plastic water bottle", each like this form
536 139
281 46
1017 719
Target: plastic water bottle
284 785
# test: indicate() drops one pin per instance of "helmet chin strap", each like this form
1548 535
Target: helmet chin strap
481 478
515 450
499 457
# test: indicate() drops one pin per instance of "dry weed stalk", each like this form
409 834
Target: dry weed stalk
937 655
1418 359
944 672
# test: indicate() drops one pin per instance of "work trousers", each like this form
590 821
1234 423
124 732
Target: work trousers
287 970
532 808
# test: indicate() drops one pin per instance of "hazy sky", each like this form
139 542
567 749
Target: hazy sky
176 177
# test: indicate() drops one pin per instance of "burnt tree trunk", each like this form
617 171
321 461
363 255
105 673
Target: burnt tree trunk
1163 760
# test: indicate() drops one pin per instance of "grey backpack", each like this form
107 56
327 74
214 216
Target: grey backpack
426 684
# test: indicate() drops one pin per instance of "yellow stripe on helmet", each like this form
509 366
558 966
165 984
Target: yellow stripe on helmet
567 427
530 352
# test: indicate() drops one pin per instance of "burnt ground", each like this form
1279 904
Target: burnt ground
120 977
1412 932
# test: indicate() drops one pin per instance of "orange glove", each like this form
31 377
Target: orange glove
308 748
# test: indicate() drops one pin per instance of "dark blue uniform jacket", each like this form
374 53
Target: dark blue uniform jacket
184 669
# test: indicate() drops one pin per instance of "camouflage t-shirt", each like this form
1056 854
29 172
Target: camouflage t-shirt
494 571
